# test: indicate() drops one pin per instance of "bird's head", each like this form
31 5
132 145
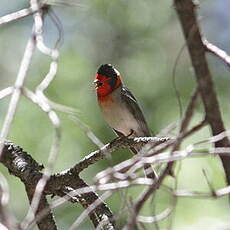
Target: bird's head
107 79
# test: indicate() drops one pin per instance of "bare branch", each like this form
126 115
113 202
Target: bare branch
6 92
6 217
38 33
103 223
186 13
137 161
221 54
168 169
144 197
17 15
25 63
189 111
27 169
114 145
23 166
158 217
47 222
198 194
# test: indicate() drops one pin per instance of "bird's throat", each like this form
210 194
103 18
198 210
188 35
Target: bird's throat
106 89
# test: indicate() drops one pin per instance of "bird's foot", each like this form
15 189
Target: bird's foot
115 140
121 137
130 134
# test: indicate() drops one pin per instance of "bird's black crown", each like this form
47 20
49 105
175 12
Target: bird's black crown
107 70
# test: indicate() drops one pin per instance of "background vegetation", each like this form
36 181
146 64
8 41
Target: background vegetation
142 39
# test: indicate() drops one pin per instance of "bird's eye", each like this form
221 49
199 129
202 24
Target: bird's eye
100 84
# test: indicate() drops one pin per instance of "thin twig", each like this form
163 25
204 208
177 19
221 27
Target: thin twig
6 217
17 15
157 218
221 54
6 92
149 191
23 166
37 196
197 51
114 145
189 111
25 63
89 133
92 207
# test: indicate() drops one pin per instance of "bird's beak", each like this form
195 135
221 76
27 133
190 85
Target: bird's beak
96 82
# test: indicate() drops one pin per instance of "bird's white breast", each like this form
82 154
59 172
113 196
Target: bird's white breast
118 116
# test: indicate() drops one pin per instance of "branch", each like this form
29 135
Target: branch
168 169
23 166
103 219
199 194
27 169
71 187
21 14
6 217
25 63
38 37
120 143
47 222
186 13
189 111
57 185
221 54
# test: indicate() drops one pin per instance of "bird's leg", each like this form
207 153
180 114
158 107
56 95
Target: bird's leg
121 136
130 134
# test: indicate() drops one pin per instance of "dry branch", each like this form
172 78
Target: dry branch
168 169
186 13
25 63
221 54
23 166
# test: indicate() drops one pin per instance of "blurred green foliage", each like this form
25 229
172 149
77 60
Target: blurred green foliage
142 39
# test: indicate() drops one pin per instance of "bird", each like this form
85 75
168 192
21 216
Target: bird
120 109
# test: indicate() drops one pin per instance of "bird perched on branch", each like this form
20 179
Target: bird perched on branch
120 108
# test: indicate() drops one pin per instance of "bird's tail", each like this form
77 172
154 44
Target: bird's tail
149 171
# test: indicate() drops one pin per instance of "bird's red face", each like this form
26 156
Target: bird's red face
107 79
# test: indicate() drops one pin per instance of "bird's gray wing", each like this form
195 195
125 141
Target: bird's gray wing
132 105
